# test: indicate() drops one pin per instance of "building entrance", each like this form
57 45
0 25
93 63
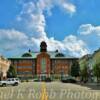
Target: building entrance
43 77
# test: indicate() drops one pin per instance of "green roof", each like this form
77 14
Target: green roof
33 55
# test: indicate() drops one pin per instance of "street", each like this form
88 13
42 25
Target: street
49 91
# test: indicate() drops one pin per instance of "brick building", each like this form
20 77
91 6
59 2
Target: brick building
43 63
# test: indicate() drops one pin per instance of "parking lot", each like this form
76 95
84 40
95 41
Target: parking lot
49 91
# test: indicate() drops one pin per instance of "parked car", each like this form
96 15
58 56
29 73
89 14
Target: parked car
36 80
68 79
10 81
48 79
45 79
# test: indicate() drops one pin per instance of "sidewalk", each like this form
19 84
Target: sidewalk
93 84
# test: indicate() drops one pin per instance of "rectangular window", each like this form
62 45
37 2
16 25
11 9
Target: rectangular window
26 72
24 66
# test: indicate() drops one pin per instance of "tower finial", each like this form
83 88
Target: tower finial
29 50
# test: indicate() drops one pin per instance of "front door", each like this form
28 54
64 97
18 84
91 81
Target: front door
42 77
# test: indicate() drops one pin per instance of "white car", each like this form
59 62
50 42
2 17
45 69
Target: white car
10 81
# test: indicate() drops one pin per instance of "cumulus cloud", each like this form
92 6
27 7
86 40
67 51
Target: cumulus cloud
71 45
88 29
11 39
75 45
67 6
63 4
32 14
91 35
33 18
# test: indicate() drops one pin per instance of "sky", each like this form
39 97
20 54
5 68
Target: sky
71 26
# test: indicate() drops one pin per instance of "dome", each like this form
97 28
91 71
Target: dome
59 55
27 55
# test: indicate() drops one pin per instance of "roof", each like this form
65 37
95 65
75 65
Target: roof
33 55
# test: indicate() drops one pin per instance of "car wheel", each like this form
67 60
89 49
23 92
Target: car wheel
15 84
4 84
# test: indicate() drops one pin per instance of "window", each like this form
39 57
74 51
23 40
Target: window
24 66
43 65
12 79
25 72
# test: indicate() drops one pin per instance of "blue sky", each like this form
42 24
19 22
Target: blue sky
72 26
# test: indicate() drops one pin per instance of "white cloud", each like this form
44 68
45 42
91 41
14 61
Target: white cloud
67 6
32 14
88 29
33 18
12 34
71 44
91 35
46 5
76 46
12 39
63 4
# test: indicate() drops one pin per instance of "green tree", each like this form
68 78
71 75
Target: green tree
75 69
11 72
96 71
84 73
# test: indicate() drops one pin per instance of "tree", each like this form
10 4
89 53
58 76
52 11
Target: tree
12 72
75 69
84 73
1 75
96 71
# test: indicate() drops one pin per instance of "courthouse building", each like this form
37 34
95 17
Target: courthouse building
43 63
4 66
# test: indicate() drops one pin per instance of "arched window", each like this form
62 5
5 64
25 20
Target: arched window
43 65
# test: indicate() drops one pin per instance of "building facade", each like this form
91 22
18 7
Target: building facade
43 63
4 66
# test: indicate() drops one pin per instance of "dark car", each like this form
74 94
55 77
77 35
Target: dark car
48 79
45 79
68 79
